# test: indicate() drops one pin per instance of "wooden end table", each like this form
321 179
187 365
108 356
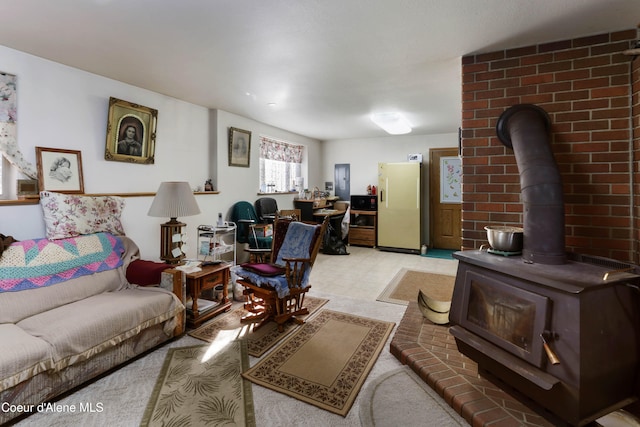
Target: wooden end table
208 278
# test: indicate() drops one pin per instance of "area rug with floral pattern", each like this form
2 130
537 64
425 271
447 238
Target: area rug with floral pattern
258 341
326 361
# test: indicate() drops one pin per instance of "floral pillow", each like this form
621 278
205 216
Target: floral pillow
68 215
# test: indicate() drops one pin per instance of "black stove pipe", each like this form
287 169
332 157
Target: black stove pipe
526 129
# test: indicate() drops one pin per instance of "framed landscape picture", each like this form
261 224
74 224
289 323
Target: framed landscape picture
131 132
59 170
239 147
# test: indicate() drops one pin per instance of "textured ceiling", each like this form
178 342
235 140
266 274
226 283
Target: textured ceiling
325 64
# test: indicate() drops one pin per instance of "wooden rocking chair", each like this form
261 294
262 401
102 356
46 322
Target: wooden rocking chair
275 291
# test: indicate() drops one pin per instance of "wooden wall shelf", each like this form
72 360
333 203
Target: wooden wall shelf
277 193
35 201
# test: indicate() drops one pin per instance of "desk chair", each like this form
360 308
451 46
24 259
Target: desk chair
275 291
267 209
245 217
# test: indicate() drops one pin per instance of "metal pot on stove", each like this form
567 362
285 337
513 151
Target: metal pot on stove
505 238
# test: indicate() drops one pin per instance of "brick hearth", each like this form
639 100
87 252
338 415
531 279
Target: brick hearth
431 352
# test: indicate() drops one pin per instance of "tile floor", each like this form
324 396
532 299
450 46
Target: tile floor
368 271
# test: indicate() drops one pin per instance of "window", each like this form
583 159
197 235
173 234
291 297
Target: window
280 165
8 179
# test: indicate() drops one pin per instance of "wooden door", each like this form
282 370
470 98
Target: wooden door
445 224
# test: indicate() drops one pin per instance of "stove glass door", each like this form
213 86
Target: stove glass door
508 316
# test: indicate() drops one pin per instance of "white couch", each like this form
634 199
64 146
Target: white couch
57 337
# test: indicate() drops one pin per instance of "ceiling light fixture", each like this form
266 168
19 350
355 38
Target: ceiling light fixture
392 123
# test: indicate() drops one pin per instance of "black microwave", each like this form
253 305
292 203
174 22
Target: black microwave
365 202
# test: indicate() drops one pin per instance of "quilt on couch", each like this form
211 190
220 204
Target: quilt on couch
36 263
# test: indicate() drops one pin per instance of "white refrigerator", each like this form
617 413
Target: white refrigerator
400 206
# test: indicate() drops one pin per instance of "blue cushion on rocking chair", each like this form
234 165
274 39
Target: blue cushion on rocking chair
296 244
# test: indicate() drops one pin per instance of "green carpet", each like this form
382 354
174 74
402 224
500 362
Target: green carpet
440 253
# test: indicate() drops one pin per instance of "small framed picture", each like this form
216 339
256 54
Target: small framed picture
239 147
59 170
27 189
131 132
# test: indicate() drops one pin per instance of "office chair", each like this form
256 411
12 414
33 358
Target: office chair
267 209
245 217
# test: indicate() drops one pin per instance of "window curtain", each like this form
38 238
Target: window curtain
280 164
272 149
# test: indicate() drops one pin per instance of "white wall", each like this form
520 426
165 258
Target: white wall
63 107
243 183
363 155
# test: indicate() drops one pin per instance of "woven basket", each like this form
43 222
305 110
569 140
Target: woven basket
318 201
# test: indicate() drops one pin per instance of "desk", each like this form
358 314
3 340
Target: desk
363 228
208 278
320 214
306 208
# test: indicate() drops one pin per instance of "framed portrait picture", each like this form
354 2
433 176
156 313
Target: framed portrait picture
131 132
59 170
239 147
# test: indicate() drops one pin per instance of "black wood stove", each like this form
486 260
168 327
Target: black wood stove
558 329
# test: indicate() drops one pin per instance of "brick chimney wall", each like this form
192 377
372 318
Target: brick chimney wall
586 86
635 101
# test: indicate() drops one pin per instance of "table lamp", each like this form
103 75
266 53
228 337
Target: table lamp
172 200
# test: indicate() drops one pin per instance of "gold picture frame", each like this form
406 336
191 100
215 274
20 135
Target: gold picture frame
59 170
131 132
239 147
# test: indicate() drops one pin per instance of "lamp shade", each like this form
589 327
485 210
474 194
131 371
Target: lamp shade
174 199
